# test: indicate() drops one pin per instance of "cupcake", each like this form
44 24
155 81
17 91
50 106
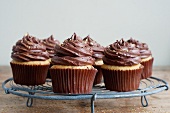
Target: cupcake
72 71
98 53
30 61
146 56
122 69
50 43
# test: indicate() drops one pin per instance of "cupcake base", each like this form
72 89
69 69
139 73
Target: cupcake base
122 80
72 81
147 71
29 75
48 73
99 75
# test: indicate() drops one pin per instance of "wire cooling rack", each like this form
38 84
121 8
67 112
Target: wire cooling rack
147 86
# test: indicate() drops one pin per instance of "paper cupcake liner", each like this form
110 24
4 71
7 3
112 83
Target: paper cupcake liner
147 71
29 74
122 81
72 81
48 73
99 75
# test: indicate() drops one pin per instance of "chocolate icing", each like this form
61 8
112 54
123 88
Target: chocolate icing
98 50
121 53
50 45
29 48
143 47
73 51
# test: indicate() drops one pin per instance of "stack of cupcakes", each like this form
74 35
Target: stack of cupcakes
72 71
122 69
30 61
50 44
98 53
146 56
77 64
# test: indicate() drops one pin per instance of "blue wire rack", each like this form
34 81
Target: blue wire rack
148 86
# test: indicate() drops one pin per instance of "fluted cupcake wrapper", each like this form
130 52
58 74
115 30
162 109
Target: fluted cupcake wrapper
29 74
48 73
72 81
147 71
122 81
99 75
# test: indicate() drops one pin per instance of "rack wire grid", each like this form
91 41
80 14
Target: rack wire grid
147 86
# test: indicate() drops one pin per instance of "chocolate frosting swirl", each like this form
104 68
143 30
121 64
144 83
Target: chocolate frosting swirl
29 48
98 50
73 52
50 44
121 53
143 47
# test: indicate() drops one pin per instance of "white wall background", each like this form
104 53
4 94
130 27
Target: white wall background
105 20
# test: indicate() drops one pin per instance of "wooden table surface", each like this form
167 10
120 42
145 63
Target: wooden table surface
158 103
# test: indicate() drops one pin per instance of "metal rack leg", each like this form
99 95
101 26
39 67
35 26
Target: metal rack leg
92 102
6 91
30 100
143 98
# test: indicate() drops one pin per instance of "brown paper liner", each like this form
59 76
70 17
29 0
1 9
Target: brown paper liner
72 81
99 75
48 73
147 71
122 81
29 74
